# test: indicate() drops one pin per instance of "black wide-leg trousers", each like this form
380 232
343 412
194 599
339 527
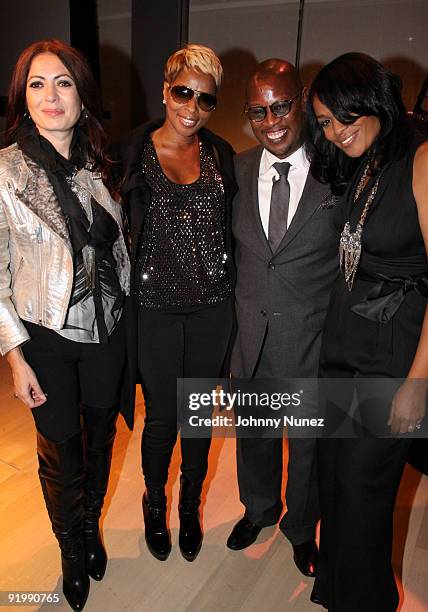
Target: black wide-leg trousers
358 480
171 346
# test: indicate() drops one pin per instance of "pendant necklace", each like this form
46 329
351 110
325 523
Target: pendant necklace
350 242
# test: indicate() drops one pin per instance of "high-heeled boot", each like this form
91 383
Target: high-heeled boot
100 430
61 475
157 534
190 535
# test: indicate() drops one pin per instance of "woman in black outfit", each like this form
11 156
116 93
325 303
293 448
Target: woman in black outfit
376 326
64 273
178 190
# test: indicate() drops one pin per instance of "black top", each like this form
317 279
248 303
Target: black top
181 260
375 328
137 193
137 196
392 241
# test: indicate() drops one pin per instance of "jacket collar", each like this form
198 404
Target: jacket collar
37 194
252 184
312 197
48 208
88 180
22 175
17 168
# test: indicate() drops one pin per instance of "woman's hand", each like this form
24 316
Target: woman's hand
408 406
27 387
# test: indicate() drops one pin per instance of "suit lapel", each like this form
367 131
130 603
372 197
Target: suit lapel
312 196
252 197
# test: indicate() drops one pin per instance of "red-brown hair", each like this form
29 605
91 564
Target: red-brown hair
87 88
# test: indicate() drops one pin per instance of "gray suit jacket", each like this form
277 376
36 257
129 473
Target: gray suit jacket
288 290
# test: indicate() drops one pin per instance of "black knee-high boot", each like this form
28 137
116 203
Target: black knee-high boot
190 535
100 429
62 475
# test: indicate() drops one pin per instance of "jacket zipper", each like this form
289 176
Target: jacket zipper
39 238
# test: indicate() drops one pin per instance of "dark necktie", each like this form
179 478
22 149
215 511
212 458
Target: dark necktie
279 203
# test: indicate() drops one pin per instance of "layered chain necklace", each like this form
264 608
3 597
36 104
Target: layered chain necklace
350 242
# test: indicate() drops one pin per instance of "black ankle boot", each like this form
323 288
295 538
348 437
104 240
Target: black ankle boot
156 531
62 475
75 581
100 434
190 536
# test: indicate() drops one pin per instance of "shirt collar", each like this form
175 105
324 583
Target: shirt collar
298 159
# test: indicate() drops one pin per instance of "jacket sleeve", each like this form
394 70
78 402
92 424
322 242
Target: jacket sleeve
12 330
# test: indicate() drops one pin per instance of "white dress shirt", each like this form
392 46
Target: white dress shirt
297 176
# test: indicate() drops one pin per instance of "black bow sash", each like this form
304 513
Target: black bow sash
387 295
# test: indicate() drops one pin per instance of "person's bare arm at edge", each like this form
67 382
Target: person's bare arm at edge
409 403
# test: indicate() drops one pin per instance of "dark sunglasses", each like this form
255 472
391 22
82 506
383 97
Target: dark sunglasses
281 108
181 94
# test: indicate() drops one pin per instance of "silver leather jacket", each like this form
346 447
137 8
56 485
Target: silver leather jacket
36 258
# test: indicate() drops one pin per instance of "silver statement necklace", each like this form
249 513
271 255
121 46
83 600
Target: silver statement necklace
350 242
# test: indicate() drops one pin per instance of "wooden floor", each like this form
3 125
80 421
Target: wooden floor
263 577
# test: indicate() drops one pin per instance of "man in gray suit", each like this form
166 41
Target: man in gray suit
287 258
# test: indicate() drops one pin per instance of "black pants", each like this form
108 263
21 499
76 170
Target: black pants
73 374
359 480
171 346
358 488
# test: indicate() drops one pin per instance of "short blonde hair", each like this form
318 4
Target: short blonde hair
194 57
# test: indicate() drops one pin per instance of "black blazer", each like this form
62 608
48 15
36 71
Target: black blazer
136 199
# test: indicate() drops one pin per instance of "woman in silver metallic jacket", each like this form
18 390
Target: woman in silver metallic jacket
64 274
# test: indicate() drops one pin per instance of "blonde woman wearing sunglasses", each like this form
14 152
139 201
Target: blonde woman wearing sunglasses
178 188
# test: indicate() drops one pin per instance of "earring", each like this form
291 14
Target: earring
164 101
85 114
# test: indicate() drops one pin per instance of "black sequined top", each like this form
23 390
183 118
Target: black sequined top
181 261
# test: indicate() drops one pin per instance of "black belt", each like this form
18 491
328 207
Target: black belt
381 304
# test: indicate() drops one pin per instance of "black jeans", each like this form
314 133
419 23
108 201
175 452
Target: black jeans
171 346
72 374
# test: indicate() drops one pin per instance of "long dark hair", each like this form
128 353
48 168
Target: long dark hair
356 84
87 88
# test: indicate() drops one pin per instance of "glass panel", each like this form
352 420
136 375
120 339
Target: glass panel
246 32
392 31
242 33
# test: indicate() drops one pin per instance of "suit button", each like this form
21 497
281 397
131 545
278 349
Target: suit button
271 265
263 313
